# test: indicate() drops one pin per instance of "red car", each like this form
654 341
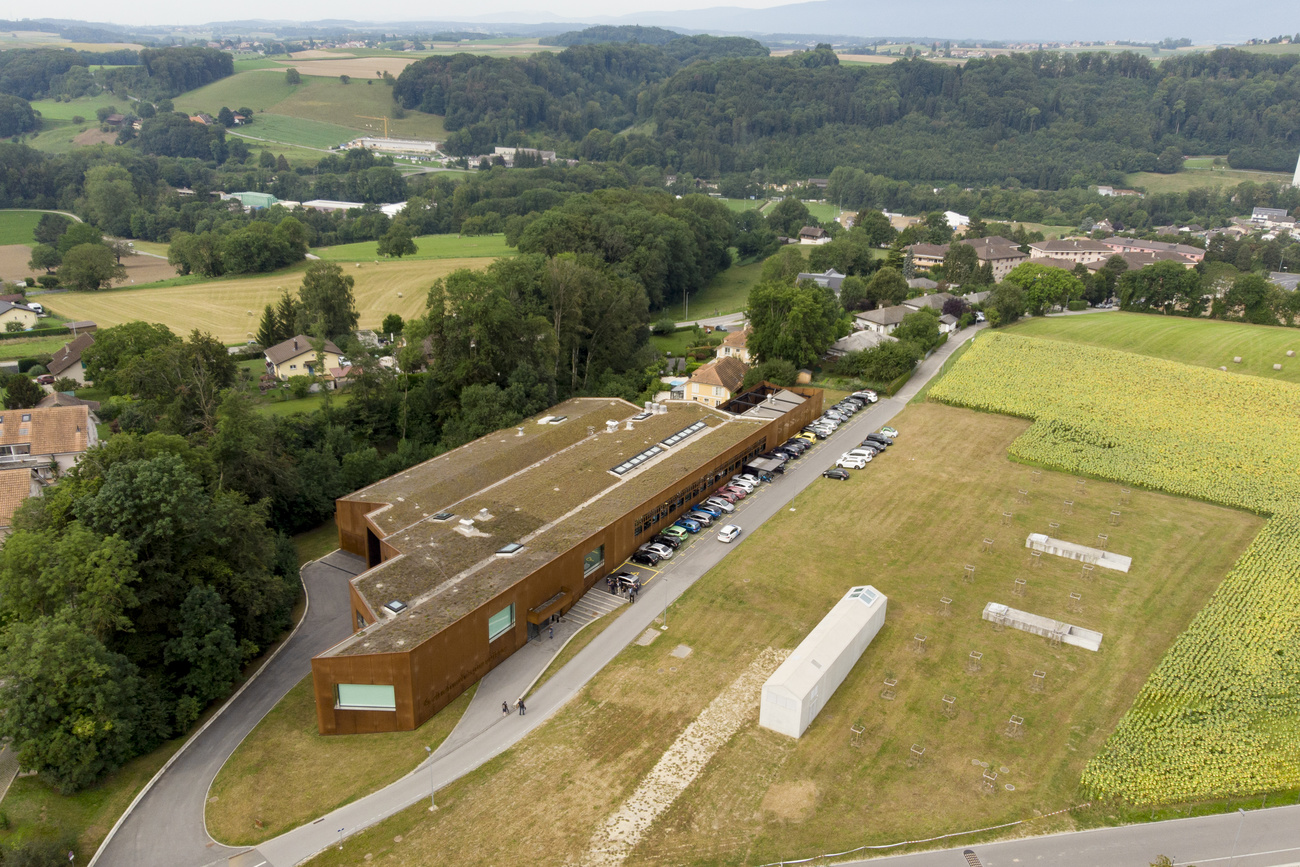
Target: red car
729 496
46 379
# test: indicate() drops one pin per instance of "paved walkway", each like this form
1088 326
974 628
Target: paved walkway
488 734
165 827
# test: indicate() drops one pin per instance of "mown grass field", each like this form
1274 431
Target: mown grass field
319 112
286 774
1202 342
1192 177
727 292
231 309
822 211
429 247
907 524
16 227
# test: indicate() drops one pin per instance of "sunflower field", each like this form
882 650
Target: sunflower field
1220 715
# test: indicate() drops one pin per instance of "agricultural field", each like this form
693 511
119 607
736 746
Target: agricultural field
231 309
429 247
1221 714
1193 176
16 227
319 112
1200 342
823 212
764 796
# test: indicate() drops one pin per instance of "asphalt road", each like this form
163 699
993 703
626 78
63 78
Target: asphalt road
165 826
1268 838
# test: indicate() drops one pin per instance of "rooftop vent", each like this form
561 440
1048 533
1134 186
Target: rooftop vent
443 516
396 606
629 424
519 431
649 407
467 522
611 427
510 550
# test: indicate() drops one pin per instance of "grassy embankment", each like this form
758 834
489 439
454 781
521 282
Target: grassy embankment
763 796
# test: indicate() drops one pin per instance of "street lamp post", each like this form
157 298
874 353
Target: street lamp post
665 577
1233 857
432 805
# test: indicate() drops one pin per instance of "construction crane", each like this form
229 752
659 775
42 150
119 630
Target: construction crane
384 119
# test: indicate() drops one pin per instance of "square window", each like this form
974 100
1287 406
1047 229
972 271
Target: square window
27 416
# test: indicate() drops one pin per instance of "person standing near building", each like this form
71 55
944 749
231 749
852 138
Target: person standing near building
505 709
521 707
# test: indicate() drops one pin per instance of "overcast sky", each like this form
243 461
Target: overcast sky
156 12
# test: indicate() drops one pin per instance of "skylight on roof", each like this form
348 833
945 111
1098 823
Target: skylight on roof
867 595
510 549
684 433
443 516
634 462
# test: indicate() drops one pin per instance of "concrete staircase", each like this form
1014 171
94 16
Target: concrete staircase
596 602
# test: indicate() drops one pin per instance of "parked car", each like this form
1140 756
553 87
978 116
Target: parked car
664 552
796 443
671 541
46 379
677 532
979 316
731 493
864 452
889 432
879 438
751 478
837 473
875 447
690 525
728 533
866 394
807 436
851 462
701 517
645 558
720 503
708 509
625 581
744 484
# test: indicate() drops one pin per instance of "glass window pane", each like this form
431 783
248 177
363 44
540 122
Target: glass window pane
366 696
501 622
594 560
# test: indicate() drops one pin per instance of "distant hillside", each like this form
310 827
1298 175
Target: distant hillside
608 33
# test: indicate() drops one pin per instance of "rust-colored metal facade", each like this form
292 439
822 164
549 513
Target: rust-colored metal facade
432 674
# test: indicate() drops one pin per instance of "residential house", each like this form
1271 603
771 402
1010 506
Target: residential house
1135 245
999 253
1054 262
934 302
81 326
857 342
814 235
61 398
1137 261
67 361
114 120
736 345
297 357
948 323
883 320
927 256
1272 218
714 383
38 444
976 297
1072 250
819 183
832 279
205 119
20 313
925 284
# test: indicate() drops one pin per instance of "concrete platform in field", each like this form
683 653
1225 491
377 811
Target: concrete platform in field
1075 636
1082 553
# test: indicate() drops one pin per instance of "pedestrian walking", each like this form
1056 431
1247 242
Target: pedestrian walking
552 630
505 709
521 707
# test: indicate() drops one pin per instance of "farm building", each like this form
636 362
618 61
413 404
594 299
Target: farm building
798 690
471 553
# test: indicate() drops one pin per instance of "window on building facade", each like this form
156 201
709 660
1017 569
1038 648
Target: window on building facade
501 622
365 696
593 561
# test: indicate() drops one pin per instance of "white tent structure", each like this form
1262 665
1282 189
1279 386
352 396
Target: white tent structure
798 690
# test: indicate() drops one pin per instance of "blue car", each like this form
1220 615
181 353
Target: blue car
707 509
688 525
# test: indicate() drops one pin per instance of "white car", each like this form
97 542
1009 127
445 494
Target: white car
851 462
865 453
719 503
867 395
744 484
979 317
889 432
746 477
662 551
728 533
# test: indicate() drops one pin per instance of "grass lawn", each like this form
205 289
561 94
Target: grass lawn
314 544
429 246
11 349
727 292
907 524
16 227
823 212
230 309
36 811
286 774
84 107
676 343
1192 177
581 640
295 405
740 205
1203 342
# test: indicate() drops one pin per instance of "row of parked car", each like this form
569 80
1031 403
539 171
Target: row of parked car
720 503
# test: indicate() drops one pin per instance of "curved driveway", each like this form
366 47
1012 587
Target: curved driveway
165 826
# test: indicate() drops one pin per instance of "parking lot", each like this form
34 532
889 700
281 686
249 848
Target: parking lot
822 453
